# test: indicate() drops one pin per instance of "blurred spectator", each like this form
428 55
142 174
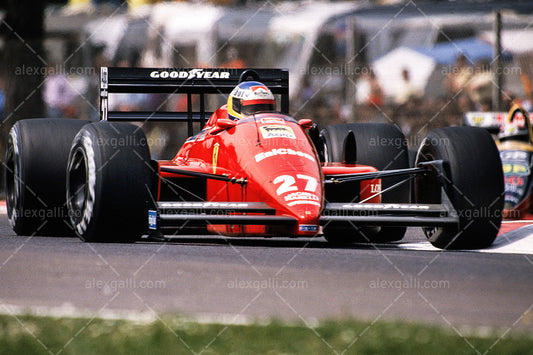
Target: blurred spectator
233 60
59 95
485 105
369 92
408 91
458 77
479 88
376 97
464 104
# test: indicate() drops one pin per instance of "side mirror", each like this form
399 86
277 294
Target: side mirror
305 123
223 124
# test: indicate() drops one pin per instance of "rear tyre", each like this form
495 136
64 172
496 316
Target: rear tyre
380 145
36 160
473 181
108 182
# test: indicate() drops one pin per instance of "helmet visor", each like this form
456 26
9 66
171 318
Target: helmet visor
255 106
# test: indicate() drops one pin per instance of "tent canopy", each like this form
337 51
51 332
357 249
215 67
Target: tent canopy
473 49
423 63
514 41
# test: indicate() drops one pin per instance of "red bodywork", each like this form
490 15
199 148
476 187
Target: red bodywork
279 163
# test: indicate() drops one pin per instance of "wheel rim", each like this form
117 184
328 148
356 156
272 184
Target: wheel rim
77 187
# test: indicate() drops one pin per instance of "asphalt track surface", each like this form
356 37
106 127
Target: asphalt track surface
211 277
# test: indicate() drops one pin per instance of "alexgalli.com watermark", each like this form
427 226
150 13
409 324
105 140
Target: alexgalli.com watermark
129 283
412 283
347 69
272 283
24 70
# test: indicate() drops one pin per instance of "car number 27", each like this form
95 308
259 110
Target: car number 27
288 183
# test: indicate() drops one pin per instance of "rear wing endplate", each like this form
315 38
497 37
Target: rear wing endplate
189 81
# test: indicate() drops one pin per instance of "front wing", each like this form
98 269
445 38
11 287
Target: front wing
175 214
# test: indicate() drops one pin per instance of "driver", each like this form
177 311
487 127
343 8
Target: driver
250 97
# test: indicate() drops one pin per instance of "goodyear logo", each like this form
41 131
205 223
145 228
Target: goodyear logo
277 131
189 74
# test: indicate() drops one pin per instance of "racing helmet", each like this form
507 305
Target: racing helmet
513 131
250 97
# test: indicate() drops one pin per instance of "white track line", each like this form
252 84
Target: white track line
69 311
518 241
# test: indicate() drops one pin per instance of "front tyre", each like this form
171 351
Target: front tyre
108 182
473 182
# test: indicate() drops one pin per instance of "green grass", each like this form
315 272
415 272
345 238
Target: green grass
174 335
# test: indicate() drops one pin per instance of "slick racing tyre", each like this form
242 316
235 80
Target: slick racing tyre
380 145
108 182
35 163
473 182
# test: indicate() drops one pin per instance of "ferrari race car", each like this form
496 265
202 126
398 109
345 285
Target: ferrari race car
263 174
514 138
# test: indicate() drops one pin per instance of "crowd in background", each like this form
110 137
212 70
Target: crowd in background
467 87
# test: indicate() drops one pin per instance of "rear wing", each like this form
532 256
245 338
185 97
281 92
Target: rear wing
189 81
491 121
494 122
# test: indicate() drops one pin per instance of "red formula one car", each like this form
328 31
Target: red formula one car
247 173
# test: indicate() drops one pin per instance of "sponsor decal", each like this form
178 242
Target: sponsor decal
215 157
478 120
277 131
485 119
260 91
190 74
516 174
283 151
514 155
270 120
255 92
301 196
203 205
518 169
306 202
375 188
152 219
308 228
386 206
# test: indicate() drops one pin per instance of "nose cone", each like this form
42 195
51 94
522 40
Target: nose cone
297 192
283 169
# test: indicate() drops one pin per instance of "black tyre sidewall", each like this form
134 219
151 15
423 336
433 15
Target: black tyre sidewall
475 185
38 150
117 163
382 146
